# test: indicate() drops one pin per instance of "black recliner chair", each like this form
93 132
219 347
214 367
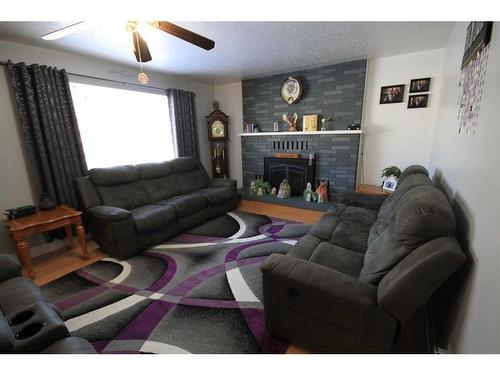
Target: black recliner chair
29 323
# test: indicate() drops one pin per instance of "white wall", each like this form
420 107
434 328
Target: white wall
15 186
467 167
394 134
230 97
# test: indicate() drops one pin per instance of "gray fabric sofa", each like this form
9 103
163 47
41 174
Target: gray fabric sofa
29 323
129 208
363 269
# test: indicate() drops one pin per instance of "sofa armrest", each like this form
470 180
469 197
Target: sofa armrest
113 229
320 280
222 182
9 267
109 213
369 201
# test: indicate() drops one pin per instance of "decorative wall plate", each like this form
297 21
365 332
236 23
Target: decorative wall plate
291 90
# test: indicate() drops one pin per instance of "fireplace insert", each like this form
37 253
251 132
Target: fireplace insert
298 172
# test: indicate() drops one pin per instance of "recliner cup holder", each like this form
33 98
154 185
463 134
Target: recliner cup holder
22 317
29 331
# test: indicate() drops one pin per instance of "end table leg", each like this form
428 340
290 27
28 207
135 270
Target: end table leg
81 236
24 252
69 235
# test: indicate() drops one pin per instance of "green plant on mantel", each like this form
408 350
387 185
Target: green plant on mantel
391 171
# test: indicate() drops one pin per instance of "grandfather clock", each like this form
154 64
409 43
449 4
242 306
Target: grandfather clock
217 135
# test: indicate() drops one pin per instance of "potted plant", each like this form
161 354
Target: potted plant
390 175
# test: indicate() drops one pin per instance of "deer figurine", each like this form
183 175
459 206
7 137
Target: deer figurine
292 124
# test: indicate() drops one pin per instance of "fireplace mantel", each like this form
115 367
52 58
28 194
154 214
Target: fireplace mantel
299 133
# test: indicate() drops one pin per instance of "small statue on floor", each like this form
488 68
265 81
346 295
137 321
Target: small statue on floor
309 194
322 192
273 190
285 190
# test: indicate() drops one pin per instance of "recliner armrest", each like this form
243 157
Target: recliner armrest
369 201
320 280
222 182
9 267
109 213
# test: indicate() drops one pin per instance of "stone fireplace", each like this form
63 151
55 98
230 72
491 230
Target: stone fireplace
330 91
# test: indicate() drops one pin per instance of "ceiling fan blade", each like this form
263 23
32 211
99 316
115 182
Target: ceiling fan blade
141 49
184 34
65 31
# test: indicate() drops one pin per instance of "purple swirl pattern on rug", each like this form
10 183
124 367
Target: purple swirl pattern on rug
200 293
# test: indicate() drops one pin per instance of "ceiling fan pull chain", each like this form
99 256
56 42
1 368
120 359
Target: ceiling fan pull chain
142 77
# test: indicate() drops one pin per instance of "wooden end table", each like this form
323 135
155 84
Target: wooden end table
371 189
43 221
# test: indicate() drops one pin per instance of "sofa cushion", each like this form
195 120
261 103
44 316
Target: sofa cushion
155 170
351 235
185 164
18 293
121 174
304 248
125 196
422 215
360 215
324 228
338 258
388 208
411 170
194 180
151 217
216 195
381 257
186 205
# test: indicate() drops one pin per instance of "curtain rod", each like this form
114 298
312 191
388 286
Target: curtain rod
106 79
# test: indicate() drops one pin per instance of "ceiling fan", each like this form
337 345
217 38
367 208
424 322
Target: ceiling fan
141 50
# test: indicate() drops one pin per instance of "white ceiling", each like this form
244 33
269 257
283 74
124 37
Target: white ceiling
242 49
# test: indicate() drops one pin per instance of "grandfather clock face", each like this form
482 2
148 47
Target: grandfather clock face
218 130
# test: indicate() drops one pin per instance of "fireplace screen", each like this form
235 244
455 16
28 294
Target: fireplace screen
298 172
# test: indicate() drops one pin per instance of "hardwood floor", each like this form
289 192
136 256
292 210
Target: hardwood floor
51 266
283 212
55 264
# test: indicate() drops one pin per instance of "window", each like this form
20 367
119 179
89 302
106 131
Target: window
122 126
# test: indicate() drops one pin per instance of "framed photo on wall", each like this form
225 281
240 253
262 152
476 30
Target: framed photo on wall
420 85
418 101
392 94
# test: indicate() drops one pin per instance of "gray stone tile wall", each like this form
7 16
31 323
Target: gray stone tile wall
336 90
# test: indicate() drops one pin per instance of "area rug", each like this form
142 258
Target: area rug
201 292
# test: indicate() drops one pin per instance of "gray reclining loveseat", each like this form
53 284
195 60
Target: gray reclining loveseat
29 323
129 208
363 269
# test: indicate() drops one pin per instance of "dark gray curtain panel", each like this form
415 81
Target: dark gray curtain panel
183 119
51 136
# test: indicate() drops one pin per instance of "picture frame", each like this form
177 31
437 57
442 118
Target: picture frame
418 101
420 85
389 185
310 123
392 94
478 36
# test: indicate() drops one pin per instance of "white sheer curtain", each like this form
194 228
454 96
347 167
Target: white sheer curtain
120 126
